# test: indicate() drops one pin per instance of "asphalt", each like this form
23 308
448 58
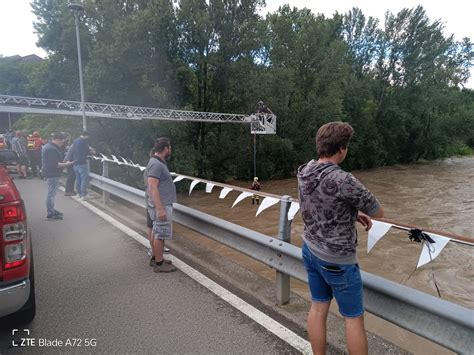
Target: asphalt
94 288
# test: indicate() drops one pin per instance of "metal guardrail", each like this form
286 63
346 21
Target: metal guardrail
437 320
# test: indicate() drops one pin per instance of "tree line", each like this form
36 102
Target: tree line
399 83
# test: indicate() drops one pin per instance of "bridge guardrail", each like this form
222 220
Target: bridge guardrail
437 320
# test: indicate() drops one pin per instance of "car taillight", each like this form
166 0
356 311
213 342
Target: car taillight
13 213
15 255
14 232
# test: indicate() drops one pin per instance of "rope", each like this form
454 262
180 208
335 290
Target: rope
432 267
417 235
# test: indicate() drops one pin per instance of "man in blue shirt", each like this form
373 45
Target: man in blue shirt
80 152
52 164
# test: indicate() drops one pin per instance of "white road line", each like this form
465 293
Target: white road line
259 317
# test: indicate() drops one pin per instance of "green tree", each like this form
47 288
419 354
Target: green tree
398 83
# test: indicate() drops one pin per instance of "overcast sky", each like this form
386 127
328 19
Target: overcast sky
17 34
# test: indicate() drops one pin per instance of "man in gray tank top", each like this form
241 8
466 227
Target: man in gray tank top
160 196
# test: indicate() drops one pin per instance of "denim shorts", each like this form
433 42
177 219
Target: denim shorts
162 229
326 280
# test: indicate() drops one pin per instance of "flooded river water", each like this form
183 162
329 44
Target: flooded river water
437 195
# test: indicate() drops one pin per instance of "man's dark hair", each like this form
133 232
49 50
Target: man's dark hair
161 143
85 134
331 137
59 136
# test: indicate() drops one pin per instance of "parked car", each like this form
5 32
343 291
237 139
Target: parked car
8 159
3 142
17 286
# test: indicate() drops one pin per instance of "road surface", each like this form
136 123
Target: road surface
96 293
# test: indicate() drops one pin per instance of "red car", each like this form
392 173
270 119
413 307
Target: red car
17 291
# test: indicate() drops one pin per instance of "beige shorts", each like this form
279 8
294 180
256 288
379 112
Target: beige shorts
162 229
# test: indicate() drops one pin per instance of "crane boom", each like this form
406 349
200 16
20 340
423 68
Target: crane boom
262 124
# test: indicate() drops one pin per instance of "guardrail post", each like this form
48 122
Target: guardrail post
105 173
284 234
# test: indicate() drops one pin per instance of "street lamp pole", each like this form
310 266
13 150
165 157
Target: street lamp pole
76 9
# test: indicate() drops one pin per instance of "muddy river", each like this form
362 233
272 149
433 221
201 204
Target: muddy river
437 194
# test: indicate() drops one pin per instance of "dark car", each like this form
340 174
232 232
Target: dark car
8 159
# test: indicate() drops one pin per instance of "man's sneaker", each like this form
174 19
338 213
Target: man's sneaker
164 268
52 217
57 213
165 261
84 198
165 250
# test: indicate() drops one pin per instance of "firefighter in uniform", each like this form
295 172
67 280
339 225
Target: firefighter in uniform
34 145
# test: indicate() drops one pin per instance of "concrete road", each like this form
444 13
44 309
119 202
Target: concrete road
94 288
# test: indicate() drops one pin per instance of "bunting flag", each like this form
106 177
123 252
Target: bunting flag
431 250
116 160
267 203
224 192
105 158
295 206
178 178
239 198
193 183
378 230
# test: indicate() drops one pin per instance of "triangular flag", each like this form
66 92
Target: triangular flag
266 203
133 164
124 160
209 187
105 157
178 178
378 230
193 183
433 249
295 206
116 160
224 192
243 195
95 158
141 167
